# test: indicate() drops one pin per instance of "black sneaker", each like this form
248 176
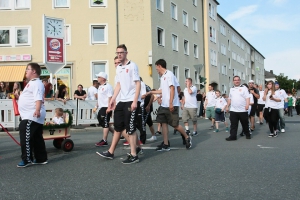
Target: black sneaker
163 148
160 145
195 133
248 136
35 162
187 132
122 138
242 133
188 142
139 151
157 133
106 154
131 159
230 139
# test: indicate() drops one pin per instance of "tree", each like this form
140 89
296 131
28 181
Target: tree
287 84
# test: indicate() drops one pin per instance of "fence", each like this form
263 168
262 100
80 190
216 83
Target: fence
81 111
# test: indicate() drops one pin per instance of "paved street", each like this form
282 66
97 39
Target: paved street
260 168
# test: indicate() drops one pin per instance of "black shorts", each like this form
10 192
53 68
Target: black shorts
164 115
220 117
260 107
104 118
124 118
253 110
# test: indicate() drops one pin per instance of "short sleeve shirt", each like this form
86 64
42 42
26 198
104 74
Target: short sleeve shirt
254 98
142 92
58 120
91 93
282 95
127 75
190 99
82 93
261 95
220 102
105 91
271 103
34 91
168 79
238 96
211 97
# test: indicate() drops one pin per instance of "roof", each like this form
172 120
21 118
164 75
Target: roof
239 34
269 74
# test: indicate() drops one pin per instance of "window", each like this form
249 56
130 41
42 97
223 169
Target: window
213 57
160 37
22 37
233 55
195 51
196 78
61 3
15 36
160 5
228 45
223 29
211 10
238 58
229 61
195 25
98 3
242 45
212 34
175 71
14 4
5 37
98 34
186 47
68 34
174 42
195 2
233 38
224 69
185 18
173 11
186 73
97 67
223 49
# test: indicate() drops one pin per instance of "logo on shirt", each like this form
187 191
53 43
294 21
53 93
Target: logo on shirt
240 90
102 89
126 70
164 78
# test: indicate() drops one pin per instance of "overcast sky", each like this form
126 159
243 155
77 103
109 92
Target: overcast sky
272 27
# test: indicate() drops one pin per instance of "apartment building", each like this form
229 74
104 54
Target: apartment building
150 29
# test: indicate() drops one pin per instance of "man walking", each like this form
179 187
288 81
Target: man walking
256 96
33 113
239 100
189 105
209 105
283 96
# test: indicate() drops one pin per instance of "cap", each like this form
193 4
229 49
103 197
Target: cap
102 74
276 83
251 81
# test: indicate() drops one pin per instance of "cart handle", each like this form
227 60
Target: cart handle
10 135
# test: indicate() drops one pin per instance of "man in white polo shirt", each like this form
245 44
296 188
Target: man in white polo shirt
93 91
283 96
105 92
209 105
125 114
189 104
168 111
33 113
238 101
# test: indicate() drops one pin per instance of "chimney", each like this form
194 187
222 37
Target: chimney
271 71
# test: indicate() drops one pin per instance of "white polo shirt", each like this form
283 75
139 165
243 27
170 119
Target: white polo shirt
34 91
190 100
271 103
238 96
105 91
58 120
261 95
168 79
91 93
282 95
142 92
210 98
127 75
220 102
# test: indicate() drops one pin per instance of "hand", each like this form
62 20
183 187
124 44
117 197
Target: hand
94 109
251 91
111 104
108 110
227 109
37 114
247 107
171 107
144 96
147 108
133 106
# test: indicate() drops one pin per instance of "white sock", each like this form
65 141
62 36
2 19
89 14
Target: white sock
186 128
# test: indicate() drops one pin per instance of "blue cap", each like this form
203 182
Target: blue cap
276 83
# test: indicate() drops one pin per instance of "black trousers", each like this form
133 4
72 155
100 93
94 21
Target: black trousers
31 139
235 118
271 116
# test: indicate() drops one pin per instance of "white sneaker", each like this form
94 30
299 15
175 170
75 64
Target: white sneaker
282 130
258 122
153 138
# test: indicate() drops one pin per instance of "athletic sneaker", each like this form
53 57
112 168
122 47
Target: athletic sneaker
188 132
195 133
141 143
273 134
163 148
217 130
131 159
122 138
258 122
126 143
40 163
162 143
188 143
242 133
227 129
106 154
153 138
139 151
102 143
282 130
157 133
24 164
211 127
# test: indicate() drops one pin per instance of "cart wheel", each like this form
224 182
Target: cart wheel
57 143
67 145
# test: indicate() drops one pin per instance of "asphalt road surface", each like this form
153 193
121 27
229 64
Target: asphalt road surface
260 168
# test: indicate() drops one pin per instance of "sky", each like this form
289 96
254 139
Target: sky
272 27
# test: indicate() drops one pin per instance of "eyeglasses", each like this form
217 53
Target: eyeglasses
28 69
117 53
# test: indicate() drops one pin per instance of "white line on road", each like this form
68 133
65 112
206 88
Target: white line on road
262 147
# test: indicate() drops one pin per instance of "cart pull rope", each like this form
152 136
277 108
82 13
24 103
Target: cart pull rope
10 135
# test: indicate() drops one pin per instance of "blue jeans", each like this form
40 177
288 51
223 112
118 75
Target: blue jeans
281 121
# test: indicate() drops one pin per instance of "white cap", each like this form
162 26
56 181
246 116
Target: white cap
251 81
102 74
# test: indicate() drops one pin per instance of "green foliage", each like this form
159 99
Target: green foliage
287 84
65 125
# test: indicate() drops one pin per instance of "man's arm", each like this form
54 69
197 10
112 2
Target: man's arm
113 98
136 96
172 92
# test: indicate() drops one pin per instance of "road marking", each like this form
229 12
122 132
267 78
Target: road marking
262 147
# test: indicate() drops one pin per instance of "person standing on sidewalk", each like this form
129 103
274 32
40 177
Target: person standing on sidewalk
125 114
33 113
283 96
238 101
168 112
105 92
189 106
209 105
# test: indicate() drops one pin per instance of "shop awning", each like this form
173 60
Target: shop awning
12 73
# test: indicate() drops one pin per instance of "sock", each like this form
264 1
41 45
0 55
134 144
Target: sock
186 128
